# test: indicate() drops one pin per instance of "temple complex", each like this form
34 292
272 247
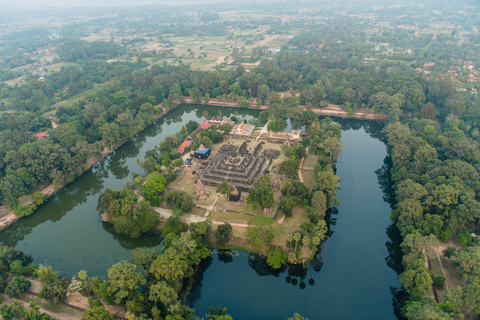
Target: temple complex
239 170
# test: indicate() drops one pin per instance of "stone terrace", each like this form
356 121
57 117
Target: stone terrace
238 170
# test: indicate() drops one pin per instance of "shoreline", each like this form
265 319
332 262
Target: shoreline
7 218
333 110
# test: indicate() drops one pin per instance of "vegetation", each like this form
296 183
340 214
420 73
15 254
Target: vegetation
414 67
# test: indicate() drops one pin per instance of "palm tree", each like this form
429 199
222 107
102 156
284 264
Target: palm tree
305 241
205 114
289 238
82 275
296 237
292 257
33 308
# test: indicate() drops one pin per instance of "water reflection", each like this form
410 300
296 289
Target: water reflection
67 231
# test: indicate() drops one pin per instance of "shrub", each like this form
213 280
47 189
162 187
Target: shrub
449 252
17 287
223 233
439 282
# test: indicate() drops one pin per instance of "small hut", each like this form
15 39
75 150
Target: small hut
202 152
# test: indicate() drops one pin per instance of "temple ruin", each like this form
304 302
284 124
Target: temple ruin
238 169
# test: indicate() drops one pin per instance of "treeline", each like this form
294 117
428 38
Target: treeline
74 50
436 182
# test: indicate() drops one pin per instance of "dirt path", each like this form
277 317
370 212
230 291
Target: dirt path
59 316
331 110
233 224
300 169
441 266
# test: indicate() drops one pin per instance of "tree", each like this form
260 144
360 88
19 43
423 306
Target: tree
152 189
17 286
17 268
467 261
222 234
196 95
82 276
205 114
33 309
319 205
46 274
96 312
164 293
226 128
125 281
110 133
276 258
272 125
225 188
333 147
329 184
290 167
296 236
428 111
262 196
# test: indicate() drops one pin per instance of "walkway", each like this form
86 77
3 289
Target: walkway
167 213
211 207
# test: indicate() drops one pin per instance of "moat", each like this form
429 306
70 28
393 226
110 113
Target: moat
351 277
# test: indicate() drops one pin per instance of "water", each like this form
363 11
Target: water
349 279
352 277
67 233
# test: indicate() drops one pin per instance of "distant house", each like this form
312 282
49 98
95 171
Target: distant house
182 146
42 135
216 121
474 91
202 152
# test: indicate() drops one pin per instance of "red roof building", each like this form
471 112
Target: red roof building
182 146
204 125
42 135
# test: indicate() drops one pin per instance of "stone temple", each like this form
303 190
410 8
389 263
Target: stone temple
239 170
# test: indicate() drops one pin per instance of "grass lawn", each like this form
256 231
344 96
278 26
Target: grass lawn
292 224
240 206
308 178
198 212
229 217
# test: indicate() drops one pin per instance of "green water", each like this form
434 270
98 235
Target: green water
351 277
67 233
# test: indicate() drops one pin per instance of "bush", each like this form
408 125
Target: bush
180 200
174 225
17 287
16 268
439 281
446 235
223 233
464 238
449 252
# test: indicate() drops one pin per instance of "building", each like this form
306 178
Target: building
42 135
202 152
182 146
239 170
216 121
235 195
243 129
